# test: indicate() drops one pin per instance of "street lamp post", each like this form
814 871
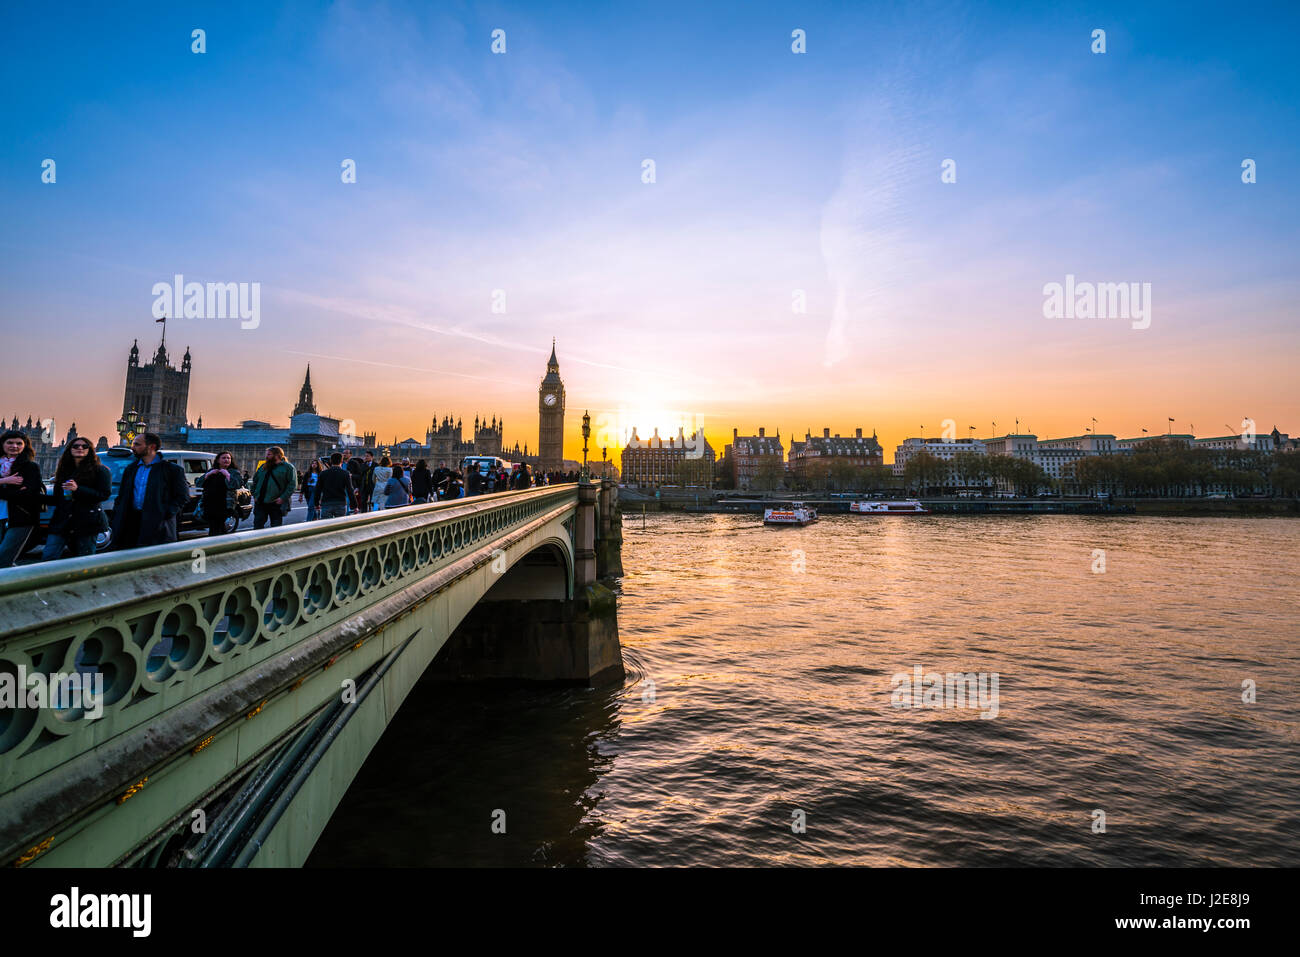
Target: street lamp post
130 425
586 434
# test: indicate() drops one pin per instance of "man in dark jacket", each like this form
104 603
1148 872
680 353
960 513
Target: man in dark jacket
334 489
366 482
152 494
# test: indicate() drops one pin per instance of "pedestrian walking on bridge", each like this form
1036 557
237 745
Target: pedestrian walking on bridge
273 485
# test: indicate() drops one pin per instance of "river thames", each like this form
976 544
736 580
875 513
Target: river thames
759 702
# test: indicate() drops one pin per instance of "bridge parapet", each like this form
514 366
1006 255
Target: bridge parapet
173 625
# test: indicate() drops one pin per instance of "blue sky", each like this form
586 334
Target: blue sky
671 301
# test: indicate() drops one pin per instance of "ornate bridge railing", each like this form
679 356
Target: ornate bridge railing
168 626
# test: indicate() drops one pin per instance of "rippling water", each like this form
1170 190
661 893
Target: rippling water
1119 691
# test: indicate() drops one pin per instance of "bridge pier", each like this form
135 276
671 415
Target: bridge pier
609 540
532 639
584 544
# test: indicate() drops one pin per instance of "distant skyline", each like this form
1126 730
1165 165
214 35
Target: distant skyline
486 179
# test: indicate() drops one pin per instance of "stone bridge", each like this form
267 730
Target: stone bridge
246 677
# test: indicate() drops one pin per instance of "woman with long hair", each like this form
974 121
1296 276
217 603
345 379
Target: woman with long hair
219 485
21 491
308 489
398 490
382 473
81 486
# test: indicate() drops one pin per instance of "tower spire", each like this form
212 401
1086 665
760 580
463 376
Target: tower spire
306 401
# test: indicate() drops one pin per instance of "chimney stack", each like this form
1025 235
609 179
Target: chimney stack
826 433
760 431
859 435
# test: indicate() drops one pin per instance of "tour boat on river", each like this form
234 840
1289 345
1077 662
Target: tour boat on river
796 514
909 507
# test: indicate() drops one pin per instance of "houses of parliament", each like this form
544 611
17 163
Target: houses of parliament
156 399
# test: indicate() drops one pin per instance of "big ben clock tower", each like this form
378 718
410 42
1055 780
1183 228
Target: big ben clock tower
550 412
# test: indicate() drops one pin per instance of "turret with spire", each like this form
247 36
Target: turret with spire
306 402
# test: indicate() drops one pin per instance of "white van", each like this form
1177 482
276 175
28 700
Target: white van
484 463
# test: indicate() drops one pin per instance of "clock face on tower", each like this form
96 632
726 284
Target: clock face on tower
549 399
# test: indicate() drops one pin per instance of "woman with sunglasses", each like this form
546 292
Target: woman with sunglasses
81 485
21 492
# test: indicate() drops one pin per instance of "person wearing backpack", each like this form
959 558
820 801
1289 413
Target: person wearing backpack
273 486
397 491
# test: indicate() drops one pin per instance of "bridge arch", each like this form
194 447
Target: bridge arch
545 572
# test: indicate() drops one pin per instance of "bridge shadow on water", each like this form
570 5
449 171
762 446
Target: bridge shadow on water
456 755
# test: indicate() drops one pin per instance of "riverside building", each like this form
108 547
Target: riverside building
754 457
820 452
943 449
678 460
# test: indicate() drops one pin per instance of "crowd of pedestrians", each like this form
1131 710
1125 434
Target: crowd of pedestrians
348 483
154 492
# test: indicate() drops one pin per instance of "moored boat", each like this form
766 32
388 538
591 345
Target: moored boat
908 507
796 514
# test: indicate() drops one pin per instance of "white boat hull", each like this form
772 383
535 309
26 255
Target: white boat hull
908 507
797 515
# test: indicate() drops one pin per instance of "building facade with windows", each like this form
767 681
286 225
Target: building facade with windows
678 460
943 449
750 457
817 453
1236 443
1128 445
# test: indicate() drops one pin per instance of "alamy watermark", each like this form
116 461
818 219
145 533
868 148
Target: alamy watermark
1099 300
212 300
128 911
953 689
63 692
